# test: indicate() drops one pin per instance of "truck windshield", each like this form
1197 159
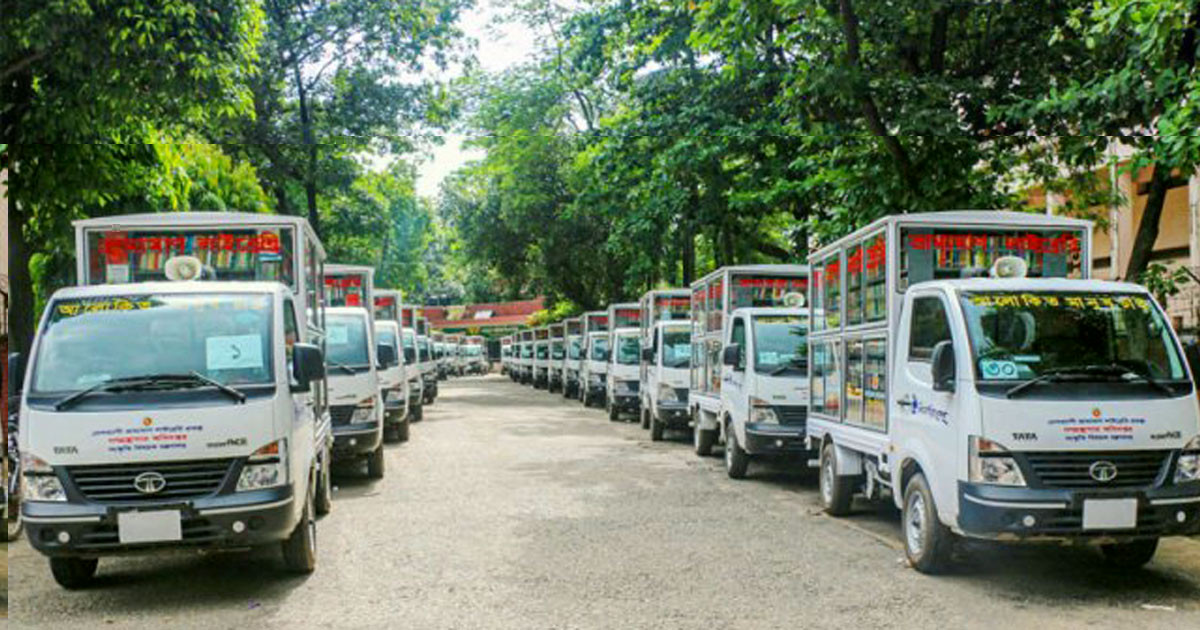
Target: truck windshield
599 350
346 340
87 341
1019 336
527 351
409 339
542 351
557 352
575 349
386 336
474 351
677 348
781 344
629 348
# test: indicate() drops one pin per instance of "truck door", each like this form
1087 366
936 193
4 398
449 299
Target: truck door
304 414
923 417
734 377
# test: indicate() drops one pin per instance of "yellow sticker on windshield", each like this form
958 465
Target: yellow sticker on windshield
73 309
1072 301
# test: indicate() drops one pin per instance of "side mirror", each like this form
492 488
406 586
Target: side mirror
732 356
1191 352
943 367
16 373
385 353
648 355
308 365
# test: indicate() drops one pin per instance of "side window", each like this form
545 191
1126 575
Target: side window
738 336
929 326
291 332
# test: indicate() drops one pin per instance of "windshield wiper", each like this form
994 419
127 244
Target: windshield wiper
132 383
791 364
343 366
1111 370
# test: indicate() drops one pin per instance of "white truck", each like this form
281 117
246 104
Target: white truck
965 364
523 361
558 355
593 380
427 360
395 397
573 361
355 398
624 360
506 352
541 357
393 384
352 361
666 332
178 399
724 398
412 357
476 354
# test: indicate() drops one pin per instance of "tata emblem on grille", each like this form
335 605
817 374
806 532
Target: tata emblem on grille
149 482
1103 471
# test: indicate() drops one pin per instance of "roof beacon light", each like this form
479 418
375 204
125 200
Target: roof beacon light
1009 267
183 268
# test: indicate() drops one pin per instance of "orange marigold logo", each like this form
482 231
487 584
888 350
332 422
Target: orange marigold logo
147 422
1096 412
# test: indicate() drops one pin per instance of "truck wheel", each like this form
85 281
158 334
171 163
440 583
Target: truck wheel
737 461
656 428
927 543
645 418
614 414
375 463
324 499
836 491
300 548
704 440
402 431
14 524
1129 555
73 573
418 413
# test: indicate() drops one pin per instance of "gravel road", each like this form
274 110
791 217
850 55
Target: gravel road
513 508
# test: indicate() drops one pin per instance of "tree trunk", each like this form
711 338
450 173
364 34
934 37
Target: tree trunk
1147 232
688 249
310 146
21 319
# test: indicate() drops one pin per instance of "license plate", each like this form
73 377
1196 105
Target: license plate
1110 513
148 527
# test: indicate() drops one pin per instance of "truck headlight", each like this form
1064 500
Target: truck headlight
364 412
41 484
666 393
1188 467
761 412
265 468
991 463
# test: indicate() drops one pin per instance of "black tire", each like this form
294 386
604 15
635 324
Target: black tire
375 463
73 573
927 542
656 428
300 548
836 492
614 414
324 499
14 524
1130 555
391 433
645 418
418 414
704 439
737 460
402 431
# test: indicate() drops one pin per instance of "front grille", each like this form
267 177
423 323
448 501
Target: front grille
185 480
341 414
1072 469
794 415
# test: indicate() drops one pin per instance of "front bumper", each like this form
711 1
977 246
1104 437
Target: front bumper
393 400
1000 512
354 440
775 439
207 523
627 402
673 415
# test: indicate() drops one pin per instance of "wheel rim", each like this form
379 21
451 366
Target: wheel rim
827 478
914 524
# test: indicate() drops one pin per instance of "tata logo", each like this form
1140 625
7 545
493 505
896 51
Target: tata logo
1103 471
149 482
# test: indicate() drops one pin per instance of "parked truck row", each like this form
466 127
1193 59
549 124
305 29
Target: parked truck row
963 365
198 386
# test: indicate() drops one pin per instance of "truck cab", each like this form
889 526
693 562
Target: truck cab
595 370
994 391
416 386
428 365
167 415
541 361
355 400
572 356
666 361
623 385
558 353
393 384
764 393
